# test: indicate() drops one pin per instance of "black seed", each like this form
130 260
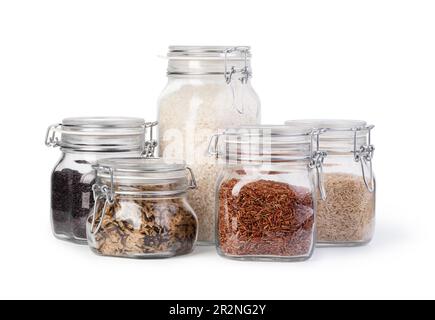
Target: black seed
71 202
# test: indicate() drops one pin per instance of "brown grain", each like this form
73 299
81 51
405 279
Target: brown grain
348 214
265 218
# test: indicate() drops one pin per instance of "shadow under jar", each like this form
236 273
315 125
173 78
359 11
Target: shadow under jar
265 193
208 88
141 209
84 141
347 216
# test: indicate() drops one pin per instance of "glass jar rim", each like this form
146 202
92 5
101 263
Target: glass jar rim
146 171
329 124
273 130
342 138
209 52
142 165
103 122
100 134
265 144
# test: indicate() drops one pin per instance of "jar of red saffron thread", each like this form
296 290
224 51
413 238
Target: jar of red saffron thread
266 192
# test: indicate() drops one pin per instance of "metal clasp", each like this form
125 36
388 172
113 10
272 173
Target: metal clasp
317 160
245 71
51 138
151 143
364 155
108 191
102 192
246 74
213 145
192 184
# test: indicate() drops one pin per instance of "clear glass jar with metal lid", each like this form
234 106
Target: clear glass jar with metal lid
208 88
347 216
84 141
266 192
141 209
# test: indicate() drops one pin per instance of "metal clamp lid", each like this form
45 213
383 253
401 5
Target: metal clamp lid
364 155
316 156
100 193
111 173
212 149
245 72
231 71
150 144
262 143
347 137
103 135
236 60
51 138
106 193
317 160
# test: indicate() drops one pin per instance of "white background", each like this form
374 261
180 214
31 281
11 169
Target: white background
371 59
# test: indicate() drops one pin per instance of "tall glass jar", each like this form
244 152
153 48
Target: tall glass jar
141 209
208 88
84 141
347 216
266 193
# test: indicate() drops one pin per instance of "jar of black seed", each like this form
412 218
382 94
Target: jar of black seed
83 142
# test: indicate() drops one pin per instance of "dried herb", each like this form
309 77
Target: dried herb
348 214
136 227
71 201
265 218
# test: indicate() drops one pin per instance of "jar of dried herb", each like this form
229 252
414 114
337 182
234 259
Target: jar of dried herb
265 193
141 209
84 141
347 216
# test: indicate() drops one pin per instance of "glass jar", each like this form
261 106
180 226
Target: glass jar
209 88
265 192
347 216
84 141
141 209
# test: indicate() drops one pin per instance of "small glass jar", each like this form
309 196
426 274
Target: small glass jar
265 193
209 88
347 216
141 209
84 141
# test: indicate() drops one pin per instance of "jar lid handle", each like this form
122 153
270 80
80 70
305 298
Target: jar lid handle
245 71
317 161
213 145
364 155
246 74
100 193
192 184
51 138
151 143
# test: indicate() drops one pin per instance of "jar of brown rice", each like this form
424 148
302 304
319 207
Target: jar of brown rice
347 216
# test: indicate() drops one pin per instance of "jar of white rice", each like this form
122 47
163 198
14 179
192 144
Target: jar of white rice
209 88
